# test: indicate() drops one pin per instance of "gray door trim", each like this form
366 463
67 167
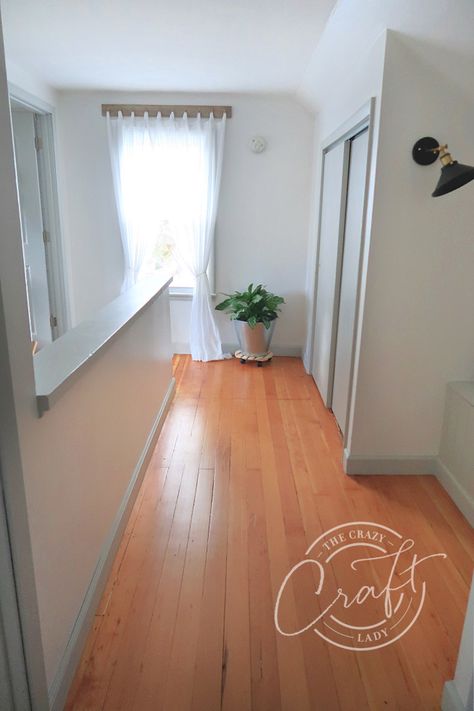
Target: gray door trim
18 602
45 127
14 495
362 118
15 691
348 143
337 284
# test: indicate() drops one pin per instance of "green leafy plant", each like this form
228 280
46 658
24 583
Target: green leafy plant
255 305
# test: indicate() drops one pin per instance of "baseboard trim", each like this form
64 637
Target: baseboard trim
292 351
359 464
181 348
60 686
451 701
457 492
306 363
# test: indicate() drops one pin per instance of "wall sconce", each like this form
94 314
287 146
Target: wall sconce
453 174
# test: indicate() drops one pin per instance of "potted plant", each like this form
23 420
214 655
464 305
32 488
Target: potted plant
254 313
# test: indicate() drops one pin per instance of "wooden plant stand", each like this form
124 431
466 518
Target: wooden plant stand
259 360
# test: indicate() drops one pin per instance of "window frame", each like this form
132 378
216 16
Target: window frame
187 292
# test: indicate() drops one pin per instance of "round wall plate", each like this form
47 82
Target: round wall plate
423 151
258 144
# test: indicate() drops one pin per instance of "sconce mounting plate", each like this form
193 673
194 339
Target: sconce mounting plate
423 153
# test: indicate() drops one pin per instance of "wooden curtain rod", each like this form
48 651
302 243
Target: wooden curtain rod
192 110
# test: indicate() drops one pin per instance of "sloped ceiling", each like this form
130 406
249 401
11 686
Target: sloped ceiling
293 46
441 32
178 45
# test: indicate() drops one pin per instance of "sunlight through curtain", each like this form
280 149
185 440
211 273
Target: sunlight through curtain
168 171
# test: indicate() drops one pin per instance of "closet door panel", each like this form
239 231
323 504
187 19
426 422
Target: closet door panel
331 206
349 278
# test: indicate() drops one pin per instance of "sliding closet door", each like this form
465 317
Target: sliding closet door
349 277
329 240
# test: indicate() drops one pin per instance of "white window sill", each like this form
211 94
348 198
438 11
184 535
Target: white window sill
178 294
184 295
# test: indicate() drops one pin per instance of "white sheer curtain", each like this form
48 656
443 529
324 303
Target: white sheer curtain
171 167
128 137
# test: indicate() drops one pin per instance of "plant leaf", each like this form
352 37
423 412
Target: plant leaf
255 305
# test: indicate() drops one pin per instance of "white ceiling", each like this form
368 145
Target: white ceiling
179 45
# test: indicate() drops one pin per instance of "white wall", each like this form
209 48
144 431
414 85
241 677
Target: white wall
79 459
458 694
417 332
28 88
456 454
76 462
262 222
442 30
358 86
15 369
90 225
27 82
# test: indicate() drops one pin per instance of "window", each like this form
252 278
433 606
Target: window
167 173
162 187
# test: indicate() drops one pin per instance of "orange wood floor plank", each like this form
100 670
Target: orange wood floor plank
150 681
208 675
236 669
294 686
100 665
245 476
179 683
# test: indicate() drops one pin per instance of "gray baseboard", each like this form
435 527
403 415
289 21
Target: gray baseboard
306 361
292 351
357 464
451 701
457 492
285 350
360 464
180 348
60 686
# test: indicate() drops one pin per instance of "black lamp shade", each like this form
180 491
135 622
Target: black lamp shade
453 176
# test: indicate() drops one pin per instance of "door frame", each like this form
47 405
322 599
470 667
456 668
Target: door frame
19 613
11 640
348 142
45 128
363 118
15 367
325 387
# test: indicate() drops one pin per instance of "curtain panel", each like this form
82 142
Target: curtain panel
171 167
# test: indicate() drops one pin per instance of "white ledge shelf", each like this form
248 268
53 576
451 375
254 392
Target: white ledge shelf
57 365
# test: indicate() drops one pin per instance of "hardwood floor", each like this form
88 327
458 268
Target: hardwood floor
245 476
